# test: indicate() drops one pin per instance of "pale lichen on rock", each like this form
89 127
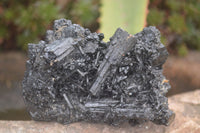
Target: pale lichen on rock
75 76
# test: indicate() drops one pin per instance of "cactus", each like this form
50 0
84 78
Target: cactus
129 15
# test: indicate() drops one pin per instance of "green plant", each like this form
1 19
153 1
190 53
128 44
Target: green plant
85 12
130 15
25 21
177 24
181 23
155 17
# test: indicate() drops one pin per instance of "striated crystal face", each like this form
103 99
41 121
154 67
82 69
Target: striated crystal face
74 76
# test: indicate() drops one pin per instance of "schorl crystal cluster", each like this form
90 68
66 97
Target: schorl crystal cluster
74 76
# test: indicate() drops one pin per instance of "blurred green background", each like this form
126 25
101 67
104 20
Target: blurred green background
179 22
26 21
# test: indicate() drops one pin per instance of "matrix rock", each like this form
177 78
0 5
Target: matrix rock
74 76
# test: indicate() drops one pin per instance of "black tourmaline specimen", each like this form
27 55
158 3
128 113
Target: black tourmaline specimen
74 76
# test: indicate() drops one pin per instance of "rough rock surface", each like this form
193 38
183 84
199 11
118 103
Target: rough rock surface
74 76
187 120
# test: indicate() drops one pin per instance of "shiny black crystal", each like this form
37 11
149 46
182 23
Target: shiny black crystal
74 76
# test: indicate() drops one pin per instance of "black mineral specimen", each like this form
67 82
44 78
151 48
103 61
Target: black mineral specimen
74 76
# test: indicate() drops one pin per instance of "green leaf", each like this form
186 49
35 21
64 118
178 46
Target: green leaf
177 23
129 15
85 12
155 17
174 5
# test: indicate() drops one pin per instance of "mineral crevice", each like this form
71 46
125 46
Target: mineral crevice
75 76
